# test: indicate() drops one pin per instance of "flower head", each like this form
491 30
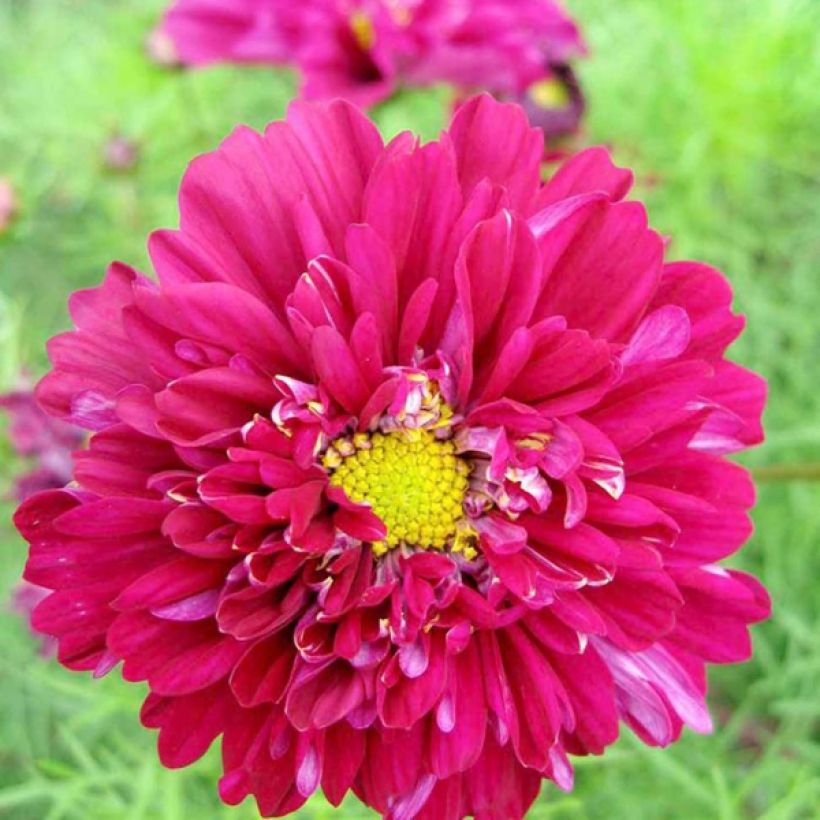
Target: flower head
362 50
47 443
120 153
407 474
201 32
44 441
159 48
9 205
555 104
25 598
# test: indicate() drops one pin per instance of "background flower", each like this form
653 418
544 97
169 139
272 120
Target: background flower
45 442
25 598
556 105
363 50
326 321
8 204
207 31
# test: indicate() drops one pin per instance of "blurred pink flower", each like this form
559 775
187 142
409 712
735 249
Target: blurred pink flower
120 153
25 598
201 32
8 204
46 442
555 104
407 473
363 50
160 49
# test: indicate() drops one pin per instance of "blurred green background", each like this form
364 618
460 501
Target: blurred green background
716 103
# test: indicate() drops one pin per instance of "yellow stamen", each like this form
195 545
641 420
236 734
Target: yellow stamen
331 459
364 32
361 441
535 441
549 93
465 540
415 483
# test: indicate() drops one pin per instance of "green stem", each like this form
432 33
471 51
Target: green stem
776 473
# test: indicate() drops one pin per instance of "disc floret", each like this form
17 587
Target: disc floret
413 481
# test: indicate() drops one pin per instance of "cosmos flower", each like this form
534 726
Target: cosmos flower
159 48
25 598
120 153
555 104
407 476
8 204
201 32
46 443
362 50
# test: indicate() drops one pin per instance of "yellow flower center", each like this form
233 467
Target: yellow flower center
364 32
549 94
414 482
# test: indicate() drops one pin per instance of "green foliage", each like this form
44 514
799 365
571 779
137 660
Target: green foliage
716 103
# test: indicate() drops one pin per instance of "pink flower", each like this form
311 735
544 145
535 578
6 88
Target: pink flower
407 475
500 47
25 598
46 442
200 32
555 104
120 153
363 50
9 206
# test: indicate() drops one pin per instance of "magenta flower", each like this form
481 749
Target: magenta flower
201 32
120 153
407 475
47 443
42 440
9 206
25 598
362 50
555 104
503 48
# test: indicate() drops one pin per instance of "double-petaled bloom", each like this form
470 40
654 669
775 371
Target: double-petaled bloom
363 50
407 476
